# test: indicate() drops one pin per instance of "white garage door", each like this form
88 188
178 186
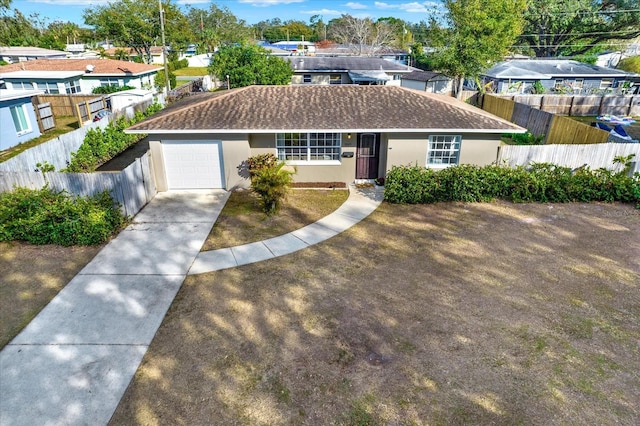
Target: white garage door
193 164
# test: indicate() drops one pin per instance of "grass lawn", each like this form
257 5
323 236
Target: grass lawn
488 313
31 277
63 125
191 72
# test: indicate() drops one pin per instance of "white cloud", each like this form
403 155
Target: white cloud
266 3
381 5
322 12
353 5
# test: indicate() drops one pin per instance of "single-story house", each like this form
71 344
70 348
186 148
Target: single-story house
67 76
388 53
331 134
556 76
13 54
345 70
427 81
17 117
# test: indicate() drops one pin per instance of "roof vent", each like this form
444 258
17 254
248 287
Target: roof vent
90 68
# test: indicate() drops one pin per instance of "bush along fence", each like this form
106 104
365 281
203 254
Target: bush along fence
556 129
544 182
132 188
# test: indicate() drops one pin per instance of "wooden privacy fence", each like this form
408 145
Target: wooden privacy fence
594 155
133 187
44 114
193 86
82 107
580 105
557 129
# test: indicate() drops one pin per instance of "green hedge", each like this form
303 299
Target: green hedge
99 146
44 216
545 183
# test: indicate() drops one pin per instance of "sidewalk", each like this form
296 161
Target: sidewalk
360 204
73 362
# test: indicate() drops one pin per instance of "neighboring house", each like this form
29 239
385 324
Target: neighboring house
427 81
556 76
13 54
331 134
296 47
157 53
68 76
18 122
121 100
345 70
388 53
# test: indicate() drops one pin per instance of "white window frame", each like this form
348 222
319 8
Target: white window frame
579 83
21 121
441 149
606 83
305 148
110 81
73 86
49 87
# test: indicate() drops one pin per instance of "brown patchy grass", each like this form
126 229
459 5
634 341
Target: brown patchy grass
32 276
439 314
242 221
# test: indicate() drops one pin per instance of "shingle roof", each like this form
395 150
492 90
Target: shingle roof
546 69
421 75
100 66
270 109
344 63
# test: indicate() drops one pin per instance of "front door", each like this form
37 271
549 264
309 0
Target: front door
367 156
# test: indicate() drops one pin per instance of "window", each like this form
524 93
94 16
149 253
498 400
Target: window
397 77
578 83
109 82
606 83
49 87
444 150
308 146
558 84
306 78
23 85
335 79
72 86
20 119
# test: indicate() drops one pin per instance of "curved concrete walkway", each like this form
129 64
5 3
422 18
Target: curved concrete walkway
72 364
360 204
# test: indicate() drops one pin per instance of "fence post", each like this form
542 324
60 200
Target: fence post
76 108
36 107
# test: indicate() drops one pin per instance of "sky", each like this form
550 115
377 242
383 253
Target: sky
252 11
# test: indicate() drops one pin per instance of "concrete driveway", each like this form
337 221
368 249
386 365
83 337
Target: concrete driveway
73 362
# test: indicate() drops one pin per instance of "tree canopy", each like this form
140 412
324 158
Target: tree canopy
215 27
136 24
362 35
571 27
478 33
249 64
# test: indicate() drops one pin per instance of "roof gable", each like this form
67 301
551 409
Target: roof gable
271 109
547 69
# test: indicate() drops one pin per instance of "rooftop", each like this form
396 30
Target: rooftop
344 63
345 108
546 69
100 66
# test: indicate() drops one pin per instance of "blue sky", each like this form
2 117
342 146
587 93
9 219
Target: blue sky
252 11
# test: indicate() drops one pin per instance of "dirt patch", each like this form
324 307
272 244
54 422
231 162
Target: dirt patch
242 221
441 314
32 276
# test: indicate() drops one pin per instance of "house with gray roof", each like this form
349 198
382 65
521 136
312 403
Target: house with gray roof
346 70
557 76
330 134
427 81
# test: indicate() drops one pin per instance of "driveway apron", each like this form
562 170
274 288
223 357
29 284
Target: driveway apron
74 361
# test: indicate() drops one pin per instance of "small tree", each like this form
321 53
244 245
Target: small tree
270 180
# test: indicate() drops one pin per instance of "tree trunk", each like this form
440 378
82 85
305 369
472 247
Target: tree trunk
460 84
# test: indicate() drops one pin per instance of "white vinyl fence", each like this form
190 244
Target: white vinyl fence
594 155
133 187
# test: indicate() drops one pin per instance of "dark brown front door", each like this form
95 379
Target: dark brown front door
367 156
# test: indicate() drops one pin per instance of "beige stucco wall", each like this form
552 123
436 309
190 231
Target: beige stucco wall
411 148
343 172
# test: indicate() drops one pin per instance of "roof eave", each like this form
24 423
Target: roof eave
362 130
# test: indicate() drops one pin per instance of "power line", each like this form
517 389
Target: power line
581 34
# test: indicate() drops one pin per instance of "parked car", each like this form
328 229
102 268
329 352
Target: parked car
101 114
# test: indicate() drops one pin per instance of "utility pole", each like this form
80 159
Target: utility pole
164 50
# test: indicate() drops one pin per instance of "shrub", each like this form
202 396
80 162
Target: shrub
112 88
258 162
45 216
271 182
100 145
543 182
526 138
